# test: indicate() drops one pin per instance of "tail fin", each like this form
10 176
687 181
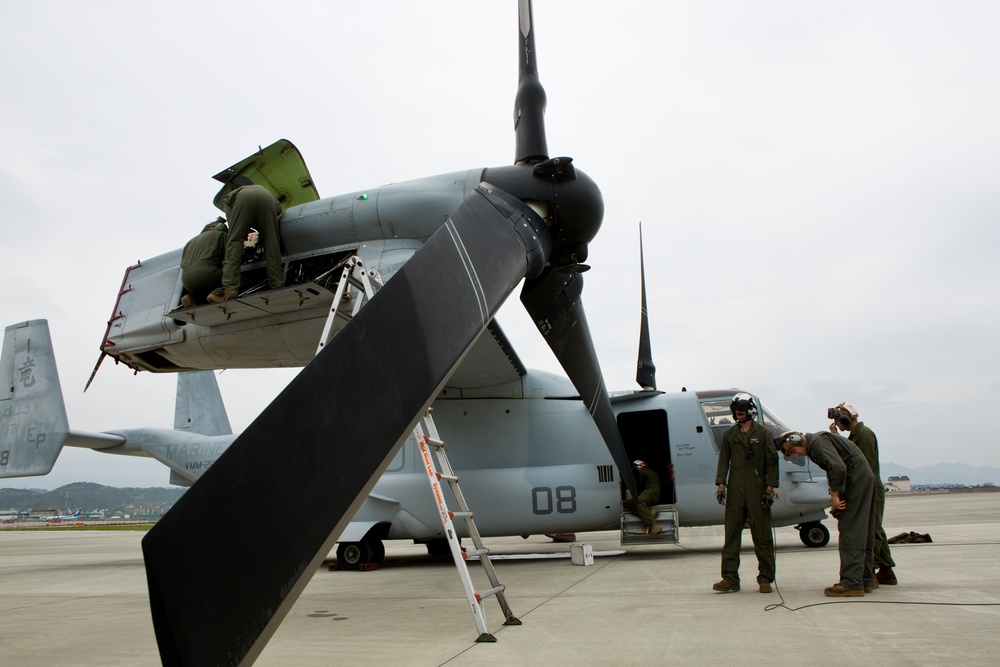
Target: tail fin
33 423
199 407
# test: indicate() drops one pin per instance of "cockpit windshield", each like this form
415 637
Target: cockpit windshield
777 427
773 422
719 418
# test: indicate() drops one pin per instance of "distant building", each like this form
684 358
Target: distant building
898 484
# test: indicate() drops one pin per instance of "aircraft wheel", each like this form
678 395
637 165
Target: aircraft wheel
814 535
376 548
351 555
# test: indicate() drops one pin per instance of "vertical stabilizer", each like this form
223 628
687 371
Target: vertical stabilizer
199 407
33 423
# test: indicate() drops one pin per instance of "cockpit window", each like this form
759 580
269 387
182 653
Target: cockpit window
777 427
718 416
773 422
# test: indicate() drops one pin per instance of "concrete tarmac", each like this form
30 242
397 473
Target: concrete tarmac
79 598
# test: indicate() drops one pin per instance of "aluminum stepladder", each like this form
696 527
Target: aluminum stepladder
439 468
354 275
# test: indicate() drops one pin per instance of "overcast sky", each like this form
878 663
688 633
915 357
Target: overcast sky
817 182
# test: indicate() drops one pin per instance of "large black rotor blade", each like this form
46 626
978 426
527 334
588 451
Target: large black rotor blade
226 564
645 369
554 302
529 104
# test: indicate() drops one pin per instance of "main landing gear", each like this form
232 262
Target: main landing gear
352 555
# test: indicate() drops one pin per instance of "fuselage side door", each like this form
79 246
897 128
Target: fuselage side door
647 437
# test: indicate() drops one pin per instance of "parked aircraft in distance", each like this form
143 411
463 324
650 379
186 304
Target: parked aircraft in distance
67 517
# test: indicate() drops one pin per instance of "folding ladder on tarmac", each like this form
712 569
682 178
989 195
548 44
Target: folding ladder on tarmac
439 468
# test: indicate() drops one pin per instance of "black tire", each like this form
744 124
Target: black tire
814 535
352 555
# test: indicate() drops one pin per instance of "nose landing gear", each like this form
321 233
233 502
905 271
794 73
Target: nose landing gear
813 534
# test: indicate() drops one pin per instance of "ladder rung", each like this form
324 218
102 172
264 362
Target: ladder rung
461 515
475 553
492 591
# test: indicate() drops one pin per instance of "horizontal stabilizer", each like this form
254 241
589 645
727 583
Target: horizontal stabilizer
33 424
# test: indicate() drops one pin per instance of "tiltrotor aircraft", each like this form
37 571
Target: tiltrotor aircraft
447 251
568 485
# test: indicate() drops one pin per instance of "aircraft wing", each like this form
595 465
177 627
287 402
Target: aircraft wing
488 369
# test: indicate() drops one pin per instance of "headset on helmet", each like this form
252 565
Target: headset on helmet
784 442
744 401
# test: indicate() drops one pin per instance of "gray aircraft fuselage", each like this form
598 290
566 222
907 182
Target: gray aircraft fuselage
537 464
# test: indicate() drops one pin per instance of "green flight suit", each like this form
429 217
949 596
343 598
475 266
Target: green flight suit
252 206
201 263
750 463
648 483
848 473
865 439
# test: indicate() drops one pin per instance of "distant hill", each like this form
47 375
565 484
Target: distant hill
944 473
156 500
91 497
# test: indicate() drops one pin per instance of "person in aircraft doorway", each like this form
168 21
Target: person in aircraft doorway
251 206
746 477
201 265
649 494
845 418
852 492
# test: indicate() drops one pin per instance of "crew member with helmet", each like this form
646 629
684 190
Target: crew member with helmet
845 418
852 491
648 483
746 476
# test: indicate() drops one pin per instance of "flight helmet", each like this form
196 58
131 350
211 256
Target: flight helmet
744 401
